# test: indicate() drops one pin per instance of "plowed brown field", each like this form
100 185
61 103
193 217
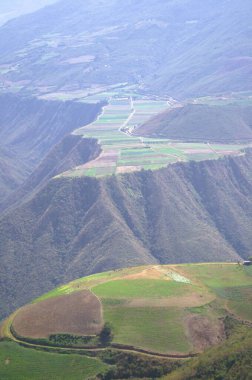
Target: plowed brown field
78 313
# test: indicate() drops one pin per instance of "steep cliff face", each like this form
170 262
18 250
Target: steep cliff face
72 227
29 128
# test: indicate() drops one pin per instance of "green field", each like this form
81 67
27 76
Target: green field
224 274
231 283
157 329
141 288
18 363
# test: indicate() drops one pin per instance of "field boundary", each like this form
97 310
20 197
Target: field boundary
93 349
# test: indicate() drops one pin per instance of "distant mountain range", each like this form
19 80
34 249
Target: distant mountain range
180 48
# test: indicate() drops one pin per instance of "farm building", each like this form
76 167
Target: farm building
247 262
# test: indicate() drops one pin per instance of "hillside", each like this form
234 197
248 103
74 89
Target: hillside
198 122
231 360
203 48
29 129
74 227
169 313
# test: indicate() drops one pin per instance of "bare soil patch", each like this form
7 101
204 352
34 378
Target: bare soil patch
105 159
78 313
190 300
204 332
150 273
127 169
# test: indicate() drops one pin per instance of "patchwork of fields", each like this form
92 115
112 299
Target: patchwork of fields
122 152
169 309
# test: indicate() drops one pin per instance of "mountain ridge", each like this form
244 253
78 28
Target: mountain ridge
142 218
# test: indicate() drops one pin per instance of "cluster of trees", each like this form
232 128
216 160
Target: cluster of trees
127 365
106 335
67 340
70 340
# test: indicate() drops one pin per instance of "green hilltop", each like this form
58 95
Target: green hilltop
169 313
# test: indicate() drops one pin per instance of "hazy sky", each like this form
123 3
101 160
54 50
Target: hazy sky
13 8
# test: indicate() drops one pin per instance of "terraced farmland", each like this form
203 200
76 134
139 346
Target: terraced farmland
122 152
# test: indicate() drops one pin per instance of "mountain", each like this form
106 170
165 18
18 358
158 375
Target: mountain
29 129
191 212
179 48
201 122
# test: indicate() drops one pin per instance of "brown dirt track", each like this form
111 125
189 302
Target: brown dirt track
78 313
